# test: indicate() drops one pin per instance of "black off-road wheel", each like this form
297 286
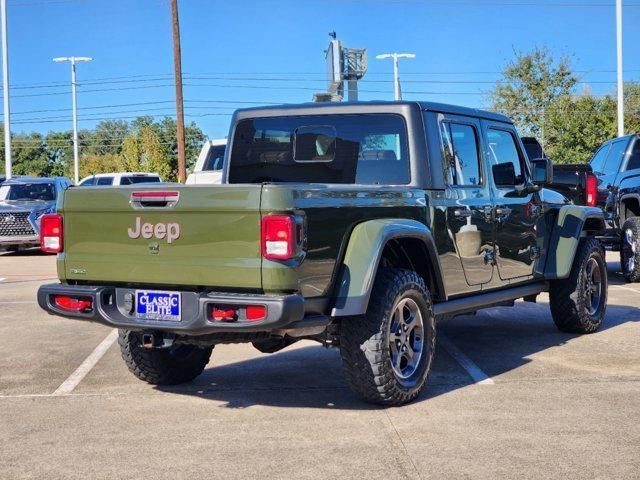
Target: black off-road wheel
579 303
162 366
387 353
630 249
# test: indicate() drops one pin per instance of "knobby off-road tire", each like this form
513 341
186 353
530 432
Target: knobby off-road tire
162 366
630 249
399 315
579 303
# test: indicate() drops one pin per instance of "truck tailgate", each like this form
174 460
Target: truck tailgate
200 236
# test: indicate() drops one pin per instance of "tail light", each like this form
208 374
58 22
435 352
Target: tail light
233 313
51 233
591 190
281 237
73 304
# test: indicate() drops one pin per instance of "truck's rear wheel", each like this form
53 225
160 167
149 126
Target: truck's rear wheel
579 303
630 249
387 353
162 366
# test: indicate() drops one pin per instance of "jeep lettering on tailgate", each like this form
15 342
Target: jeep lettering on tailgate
170 231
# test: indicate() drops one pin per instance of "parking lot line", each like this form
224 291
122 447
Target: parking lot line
465 362
2 279
85 367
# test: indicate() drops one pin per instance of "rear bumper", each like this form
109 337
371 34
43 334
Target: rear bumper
28 240
110 308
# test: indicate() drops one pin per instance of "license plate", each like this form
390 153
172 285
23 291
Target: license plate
157 305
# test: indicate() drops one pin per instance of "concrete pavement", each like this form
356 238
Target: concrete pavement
558 405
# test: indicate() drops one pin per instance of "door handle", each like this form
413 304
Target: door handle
462 212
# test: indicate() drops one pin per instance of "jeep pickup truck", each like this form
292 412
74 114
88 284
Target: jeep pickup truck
353 224
611 181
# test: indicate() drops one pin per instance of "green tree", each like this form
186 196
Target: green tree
106 163
531 83
575 127
108 137
142 151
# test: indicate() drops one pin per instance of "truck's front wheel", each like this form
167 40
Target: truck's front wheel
162 366
387 353
630 249
578 303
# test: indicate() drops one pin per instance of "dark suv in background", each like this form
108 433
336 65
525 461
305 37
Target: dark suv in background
23 201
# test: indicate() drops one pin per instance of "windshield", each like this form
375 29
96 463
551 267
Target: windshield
28 192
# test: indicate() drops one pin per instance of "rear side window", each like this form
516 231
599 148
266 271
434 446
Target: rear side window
104 181
215 158
597 162
364 149
87 182
502 149
460 153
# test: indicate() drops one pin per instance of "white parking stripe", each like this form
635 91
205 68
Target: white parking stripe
2 279
85 367
465 362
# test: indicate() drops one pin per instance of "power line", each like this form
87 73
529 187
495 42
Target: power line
487 3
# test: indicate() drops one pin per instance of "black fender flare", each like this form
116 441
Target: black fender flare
362 258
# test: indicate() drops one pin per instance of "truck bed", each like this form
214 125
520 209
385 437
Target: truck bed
570 180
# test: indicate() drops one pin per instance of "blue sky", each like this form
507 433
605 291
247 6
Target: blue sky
239 52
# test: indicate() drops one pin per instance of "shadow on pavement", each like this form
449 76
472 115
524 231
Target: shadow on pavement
30 252
499 340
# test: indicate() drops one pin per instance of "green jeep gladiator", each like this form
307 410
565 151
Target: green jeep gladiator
355 224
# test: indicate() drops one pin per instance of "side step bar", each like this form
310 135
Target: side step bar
487 300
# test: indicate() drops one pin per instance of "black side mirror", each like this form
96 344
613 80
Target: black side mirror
504 174
542 171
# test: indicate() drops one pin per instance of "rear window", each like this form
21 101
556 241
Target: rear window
363 149
138 179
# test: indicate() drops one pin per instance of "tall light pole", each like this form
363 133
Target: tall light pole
5 91
396 77
73 61
620 77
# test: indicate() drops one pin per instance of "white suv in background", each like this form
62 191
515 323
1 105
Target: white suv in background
124 178
208 168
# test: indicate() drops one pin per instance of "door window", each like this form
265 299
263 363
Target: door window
503 149
614 159
634 158
104 180
460 153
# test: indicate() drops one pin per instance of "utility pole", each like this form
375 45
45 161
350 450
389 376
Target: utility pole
5 91
396 77
620 76
177 66
74 108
